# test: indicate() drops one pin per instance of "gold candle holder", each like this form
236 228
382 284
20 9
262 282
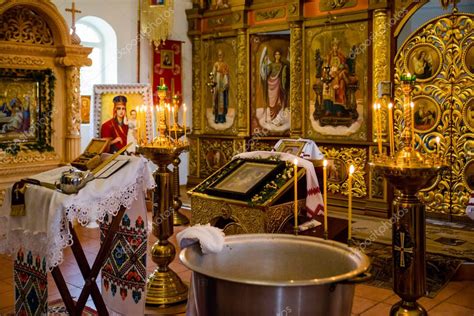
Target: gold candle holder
408 171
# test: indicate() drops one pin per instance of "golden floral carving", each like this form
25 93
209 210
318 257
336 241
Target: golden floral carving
23 25
381 57
25 157
296 79
197 86
262 15
349 156
451 35
73 109
209 147
23 61
242 62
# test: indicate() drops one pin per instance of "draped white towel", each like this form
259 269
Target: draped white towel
210 238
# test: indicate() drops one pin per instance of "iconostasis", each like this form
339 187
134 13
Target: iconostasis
265 71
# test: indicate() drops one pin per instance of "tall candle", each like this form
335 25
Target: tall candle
412 107
379 125
169 119
174 124
138 125
349 215
184 119
325 196
390 128
296 195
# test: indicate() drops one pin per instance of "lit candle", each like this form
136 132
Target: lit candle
412 106
174 124
144 139
325 196
437 145
157 119
390 128
379 124
184 119
138 125
169 119
296 195
349 215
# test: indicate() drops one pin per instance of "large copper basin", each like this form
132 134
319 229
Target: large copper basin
272 274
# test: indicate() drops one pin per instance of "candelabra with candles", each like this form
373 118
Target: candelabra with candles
163 147
408 170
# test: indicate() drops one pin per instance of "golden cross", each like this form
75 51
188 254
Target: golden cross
73 11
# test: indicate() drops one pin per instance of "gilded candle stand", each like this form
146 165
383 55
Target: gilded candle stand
163 286
408 171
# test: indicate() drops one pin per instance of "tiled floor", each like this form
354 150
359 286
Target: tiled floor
457 298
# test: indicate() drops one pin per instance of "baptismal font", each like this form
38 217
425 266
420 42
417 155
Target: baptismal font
408 170
163 146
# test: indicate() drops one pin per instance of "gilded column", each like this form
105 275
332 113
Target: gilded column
197 85
381 60
242 83
296 78
73 114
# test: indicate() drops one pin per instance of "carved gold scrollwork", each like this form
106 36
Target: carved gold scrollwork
242 62
73 109
339 161
296 79
198 107
23 61
214 153
447 82
249 219
23 25
381 72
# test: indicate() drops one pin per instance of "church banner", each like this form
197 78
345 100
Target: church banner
167 68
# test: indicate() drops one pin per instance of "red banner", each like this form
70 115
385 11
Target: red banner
167 68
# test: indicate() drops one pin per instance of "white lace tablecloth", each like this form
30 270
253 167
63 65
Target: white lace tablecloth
44 227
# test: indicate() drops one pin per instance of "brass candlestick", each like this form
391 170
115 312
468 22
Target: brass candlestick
408 171
163 286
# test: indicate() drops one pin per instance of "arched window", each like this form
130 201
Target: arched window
96 33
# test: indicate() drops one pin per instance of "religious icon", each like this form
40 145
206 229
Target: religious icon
116 129
335 86
424 61
132 130
426 114
220 101
85 109
270 84
220 107
469 58
291 147
337 171
468 114
245 177
469 174
215 159
18 100
167 59
275 76
115 112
